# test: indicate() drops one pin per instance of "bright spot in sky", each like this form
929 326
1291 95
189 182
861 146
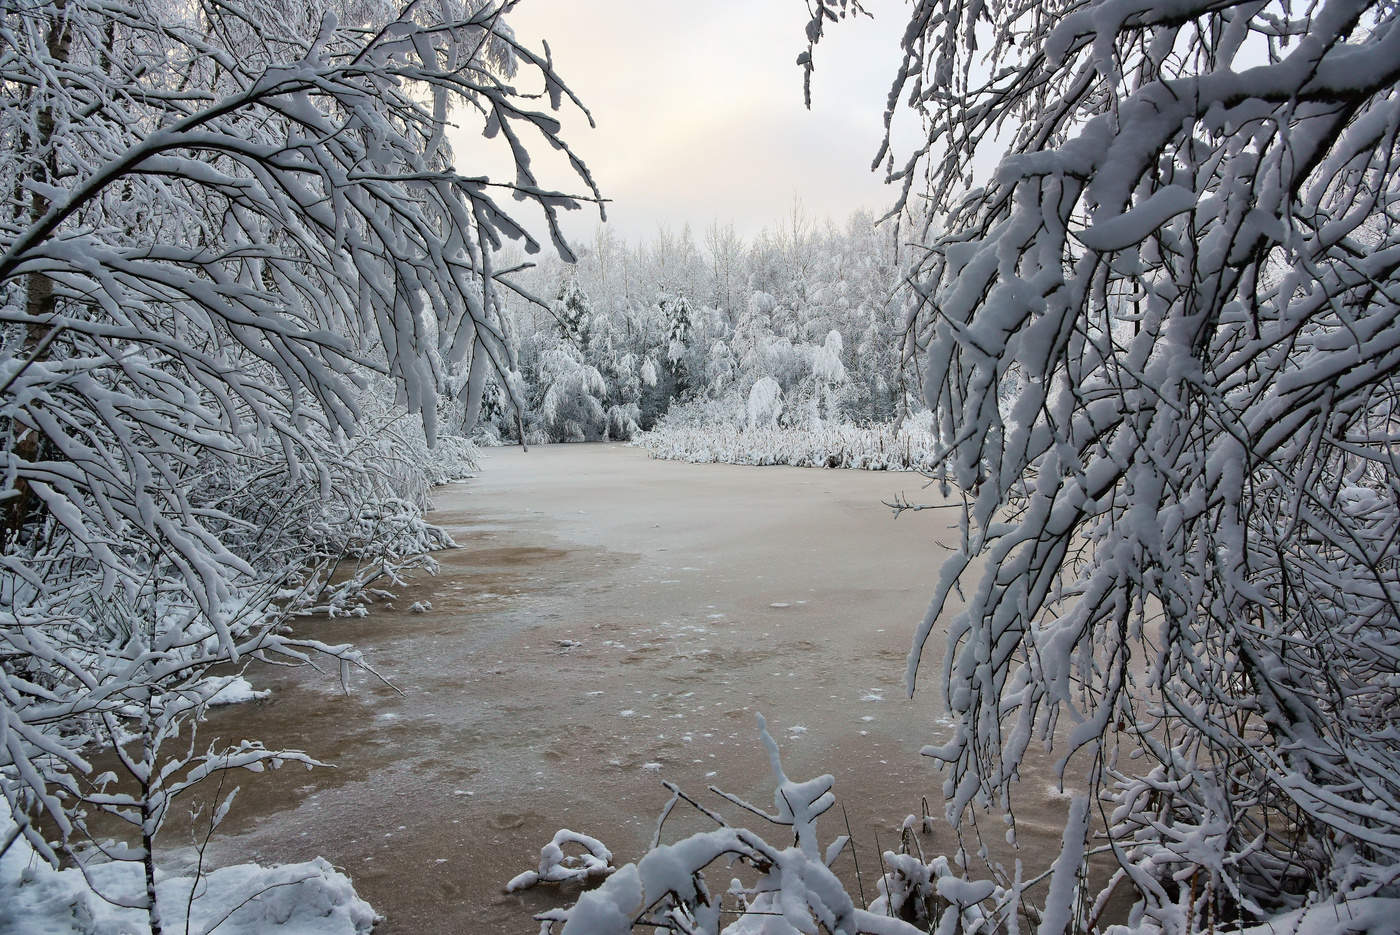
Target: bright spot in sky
700 115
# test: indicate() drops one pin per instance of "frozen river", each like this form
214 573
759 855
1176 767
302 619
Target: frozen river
608 621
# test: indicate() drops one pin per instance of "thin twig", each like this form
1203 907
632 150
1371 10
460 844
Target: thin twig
884 874
266 889
661 820
713 816
860 884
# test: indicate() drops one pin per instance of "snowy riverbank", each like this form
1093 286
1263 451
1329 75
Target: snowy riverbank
309 898
861 447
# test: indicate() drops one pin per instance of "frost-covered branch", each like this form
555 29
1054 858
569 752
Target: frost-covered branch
241 283
1161 344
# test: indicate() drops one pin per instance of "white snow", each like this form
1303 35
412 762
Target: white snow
311 898
830 444
1372 914
593 864
235 689
765 403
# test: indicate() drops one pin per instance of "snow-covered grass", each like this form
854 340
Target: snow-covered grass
311 898
864 447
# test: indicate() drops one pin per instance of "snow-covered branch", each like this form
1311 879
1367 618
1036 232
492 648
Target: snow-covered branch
241 281
1161 340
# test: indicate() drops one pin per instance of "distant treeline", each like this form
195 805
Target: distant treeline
629 332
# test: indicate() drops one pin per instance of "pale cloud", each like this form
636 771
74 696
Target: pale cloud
699 109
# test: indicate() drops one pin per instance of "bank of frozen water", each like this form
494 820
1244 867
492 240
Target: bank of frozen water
607 622
307 898
880 447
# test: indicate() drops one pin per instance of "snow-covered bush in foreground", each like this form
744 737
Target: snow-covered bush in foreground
793 891
310 898
1180 556
681 437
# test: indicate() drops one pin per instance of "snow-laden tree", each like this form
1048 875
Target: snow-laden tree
765 403
729 332
574 313
648 372
1180 552
572 397
221 224
827 371
680 336
719 369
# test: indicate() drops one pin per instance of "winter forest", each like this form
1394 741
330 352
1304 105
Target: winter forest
383 549
632 332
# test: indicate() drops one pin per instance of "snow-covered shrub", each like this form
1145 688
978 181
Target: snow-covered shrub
765 403
794 890
680 436
932 896
309 897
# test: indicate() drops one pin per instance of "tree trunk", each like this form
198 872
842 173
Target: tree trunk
40 304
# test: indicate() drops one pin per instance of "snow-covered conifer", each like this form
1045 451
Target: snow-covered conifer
574 313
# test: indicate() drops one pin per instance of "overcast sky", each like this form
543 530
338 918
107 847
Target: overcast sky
699 109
